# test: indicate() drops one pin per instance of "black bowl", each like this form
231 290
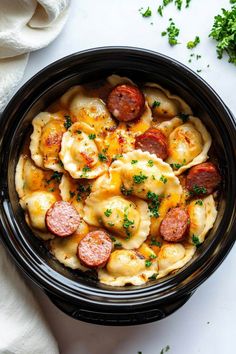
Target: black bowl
85 298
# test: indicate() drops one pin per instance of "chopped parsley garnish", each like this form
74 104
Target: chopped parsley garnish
138 179
60 163
55 176
150 163
167 2
112 238
125 191
184 117
196 241
86 168
193 44
163 179
156 104
199 71
164 33
133 162
176 166
198 190
117 156
68 122
154 242
173 33
198 56
78 131
153 277
102 157
178 4
224 32
147 13
117 244
148 263
108 212
164 350
159 10
199 202
92 136
78 198
51 189
127 223
72 194
187 3
154 203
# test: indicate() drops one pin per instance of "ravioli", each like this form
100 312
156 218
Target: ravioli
174 256
46 139
142 173
127 267
163 103
188 143
81 153
65 249
127 220
202 213
28 177
36 205
89 110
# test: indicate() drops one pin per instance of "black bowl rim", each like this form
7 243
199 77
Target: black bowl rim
203 267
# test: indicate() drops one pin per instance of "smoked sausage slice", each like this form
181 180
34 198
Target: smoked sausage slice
203 179
62 219
94 249
153 141
126 102
175 225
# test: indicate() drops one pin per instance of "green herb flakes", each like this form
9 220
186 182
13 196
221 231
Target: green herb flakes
196 241
163 179
193 44
134 162
148 263
184 117
199 202
179 4
55 176
159 10
173 33
153 276
154 242
102 157
224 32
108 212
156 104
198 190
92 136
72 194
150 163
68 122
147 12
138 179
86 169
78 131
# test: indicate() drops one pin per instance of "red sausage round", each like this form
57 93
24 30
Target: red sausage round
203 179
153 141
126 102
94 249
175 225
62 219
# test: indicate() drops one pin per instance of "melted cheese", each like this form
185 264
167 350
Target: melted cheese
126 267
45 141
89 110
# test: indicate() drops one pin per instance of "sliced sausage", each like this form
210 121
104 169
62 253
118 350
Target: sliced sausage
62 219
203 179
153 141
126 102
94 249
175 225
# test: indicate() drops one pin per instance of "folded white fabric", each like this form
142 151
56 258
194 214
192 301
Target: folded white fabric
25 25
23 329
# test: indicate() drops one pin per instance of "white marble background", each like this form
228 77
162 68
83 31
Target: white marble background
206 324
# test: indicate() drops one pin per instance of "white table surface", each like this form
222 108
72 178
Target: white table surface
206 323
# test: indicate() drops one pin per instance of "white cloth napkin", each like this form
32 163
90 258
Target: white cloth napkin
25 25
23 329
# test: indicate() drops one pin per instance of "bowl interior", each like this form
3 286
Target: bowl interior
37 95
